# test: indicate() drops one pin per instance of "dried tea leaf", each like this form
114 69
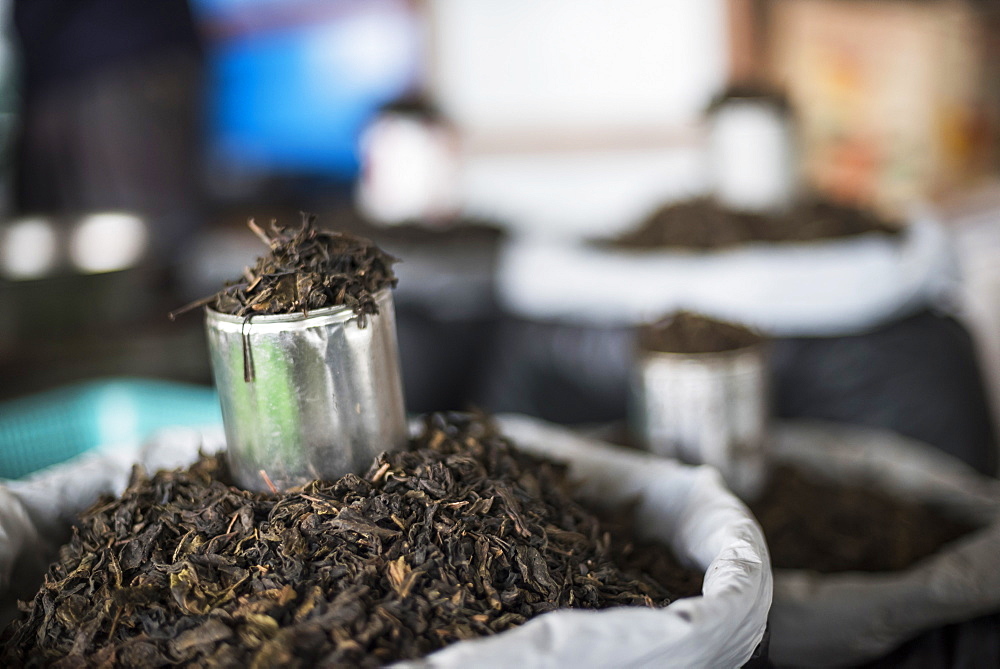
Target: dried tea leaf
208 633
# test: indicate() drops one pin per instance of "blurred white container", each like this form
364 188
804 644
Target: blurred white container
751 144
410 168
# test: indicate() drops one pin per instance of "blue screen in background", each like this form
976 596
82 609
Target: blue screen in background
293 82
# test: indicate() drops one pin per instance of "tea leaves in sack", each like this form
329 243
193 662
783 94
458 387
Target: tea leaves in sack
830 527
705 224
456 537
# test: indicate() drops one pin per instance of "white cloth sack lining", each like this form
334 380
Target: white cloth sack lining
824 288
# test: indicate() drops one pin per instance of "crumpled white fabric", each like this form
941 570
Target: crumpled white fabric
685 506
845 619
827 288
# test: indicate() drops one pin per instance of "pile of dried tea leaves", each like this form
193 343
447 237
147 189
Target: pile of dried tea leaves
456 537
644 560
704 224
307 268
814 524
691 333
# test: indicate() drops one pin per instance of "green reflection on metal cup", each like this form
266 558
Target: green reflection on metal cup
324 395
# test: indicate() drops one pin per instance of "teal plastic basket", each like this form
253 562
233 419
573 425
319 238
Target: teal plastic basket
45 429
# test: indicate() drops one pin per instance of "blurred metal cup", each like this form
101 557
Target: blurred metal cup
307 397
705 408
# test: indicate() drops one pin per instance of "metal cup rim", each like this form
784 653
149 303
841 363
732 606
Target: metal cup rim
760 347
322 316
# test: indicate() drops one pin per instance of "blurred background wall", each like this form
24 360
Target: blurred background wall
137 138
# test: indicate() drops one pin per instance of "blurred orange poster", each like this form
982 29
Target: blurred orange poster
889 96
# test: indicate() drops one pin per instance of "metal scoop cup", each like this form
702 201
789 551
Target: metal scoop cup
307 396
705 408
